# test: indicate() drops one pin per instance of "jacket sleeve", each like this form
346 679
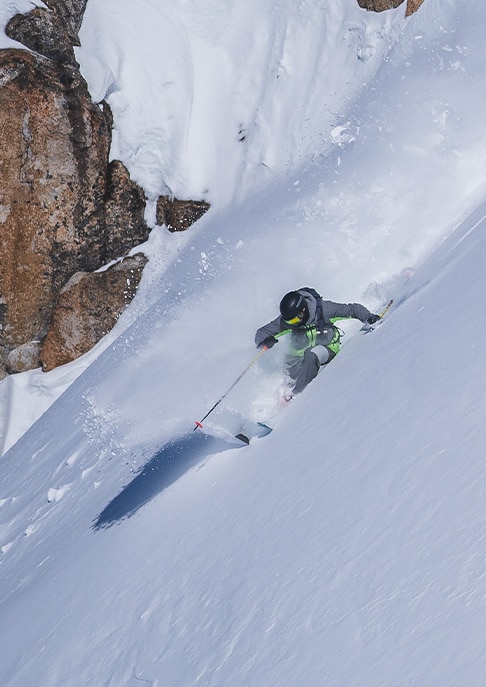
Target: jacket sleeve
342 311
274 327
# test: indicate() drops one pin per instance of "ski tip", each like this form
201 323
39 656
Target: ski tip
243 438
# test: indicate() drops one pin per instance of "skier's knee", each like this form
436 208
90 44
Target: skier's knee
323 354
311 358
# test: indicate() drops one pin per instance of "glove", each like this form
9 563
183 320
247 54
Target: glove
268 342
372 319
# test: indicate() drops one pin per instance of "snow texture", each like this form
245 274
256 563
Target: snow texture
342 150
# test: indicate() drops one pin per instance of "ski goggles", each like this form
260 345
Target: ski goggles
297 319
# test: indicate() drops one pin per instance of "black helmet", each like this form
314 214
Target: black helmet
293 308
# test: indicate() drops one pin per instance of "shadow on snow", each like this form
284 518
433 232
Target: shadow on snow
165 467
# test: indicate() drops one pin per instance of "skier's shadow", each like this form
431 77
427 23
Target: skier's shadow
165 467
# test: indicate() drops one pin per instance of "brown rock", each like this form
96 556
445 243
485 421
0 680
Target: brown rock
178 215
63 208
379 5
88 307
125 202
382 5
412 6
43 32
24 357
70 13
55 191
52 187
66 15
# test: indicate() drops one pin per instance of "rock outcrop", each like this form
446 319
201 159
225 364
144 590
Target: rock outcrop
63 21
52 189
24 357
124 207
63 207
379 5
412 6
178 215
382 5
88 307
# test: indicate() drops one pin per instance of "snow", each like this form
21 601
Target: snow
347 547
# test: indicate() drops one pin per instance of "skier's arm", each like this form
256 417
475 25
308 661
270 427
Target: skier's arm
343 311
269 330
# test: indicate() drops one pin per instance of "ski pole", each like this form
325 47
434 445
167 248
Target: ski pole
250 364
386 309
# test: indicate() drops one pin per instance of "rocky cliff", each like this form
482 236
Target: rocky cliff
63 207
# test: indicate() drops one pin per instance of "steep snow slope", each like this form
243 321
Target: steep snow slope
359 212
347 547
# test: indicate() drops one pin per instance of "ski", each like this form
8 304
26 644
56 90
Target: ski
232 425
253 430
371 327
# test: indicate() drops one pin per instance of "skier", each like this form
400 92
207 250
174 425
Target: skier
314 339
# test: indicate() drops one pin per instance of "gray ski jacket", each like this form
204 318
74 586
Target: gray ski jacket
319 328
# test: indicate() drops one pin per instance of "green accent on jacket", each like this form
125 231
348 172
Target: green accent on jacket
312 334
